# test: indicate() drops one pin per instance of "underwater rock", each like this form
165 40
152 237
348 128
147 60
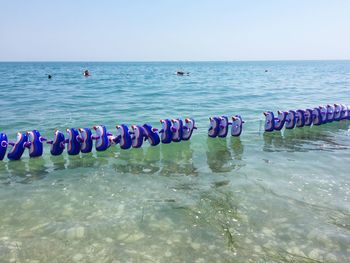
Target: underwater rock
76 232
78 257
195 245
316 254
268 232
168 254
331 258
296 251
109 240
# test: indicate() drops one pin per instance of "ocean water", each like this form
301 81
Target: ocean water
280 197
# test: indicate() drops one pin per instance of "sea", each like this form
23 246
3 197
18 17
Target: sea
261 197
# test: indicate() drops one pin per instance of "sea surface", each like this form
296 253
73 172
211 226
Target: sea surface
278 197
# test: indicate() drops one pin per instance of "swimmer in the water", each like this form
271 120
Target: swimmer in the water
86 73
49 76
182 73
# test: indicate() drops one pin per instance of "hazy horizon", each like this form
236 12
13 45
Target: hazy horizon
167 61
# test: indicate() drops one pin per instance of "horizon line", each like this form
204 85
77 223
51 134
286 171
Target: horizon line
166 61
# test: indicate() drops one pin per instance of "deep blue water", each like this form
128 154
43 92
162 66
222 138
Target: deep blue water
261 197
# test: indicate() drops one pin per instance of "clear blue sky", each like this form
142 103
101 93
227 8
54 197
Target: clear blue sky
157 30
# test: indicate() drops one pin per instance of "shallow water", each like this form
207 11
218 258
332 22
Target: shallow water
281 197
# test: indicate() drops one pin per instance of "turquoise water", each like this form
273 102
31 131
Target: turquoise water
281 197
